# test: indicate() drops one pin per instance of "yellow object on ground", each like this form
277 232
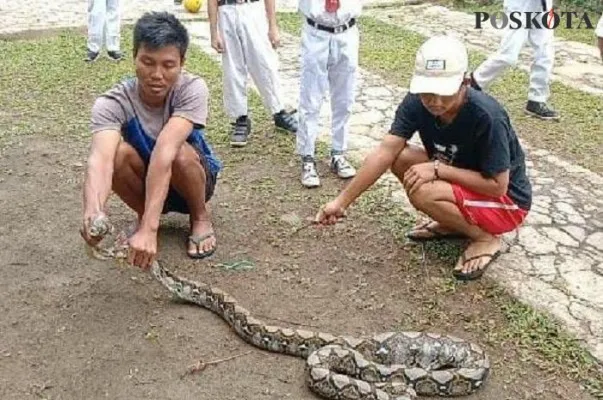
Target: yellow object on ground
193 6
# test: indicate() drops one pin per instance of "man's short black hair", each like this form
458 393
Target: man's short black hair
155 30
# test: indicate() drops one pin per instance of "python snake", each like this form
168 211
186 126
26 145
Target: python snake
387 366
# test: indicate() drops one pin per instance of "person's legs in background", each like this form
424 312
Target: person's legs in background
506 56
262 62
342 70
542 42
513 40
113 30
315 46
103 17
234 75
96 26
599 34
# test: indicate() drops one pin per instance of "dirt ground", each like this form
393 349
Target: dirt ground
77 328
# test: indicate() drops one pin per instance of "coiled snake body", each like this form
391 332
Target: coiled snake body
387 366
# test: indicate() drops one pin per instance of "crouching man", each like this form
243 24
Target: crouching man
148 143
470 178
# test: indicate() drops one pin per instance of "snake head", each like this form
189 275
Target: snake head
100 226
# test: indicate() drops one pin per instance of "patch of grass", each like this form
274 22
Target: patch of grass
42 80
390 50
534 331
374 202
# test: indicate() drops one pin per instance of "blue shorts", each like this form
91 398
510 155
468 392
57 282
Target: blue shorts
144 145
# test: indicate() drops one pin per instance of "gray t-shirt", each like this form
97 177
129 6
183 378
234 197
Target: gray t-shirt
121 109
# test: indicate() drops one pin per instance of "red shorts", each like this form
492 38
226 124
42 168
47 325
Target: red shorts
495 215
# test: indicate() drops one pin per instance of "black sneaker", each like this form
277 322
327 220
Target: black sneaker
91 56
541 110
115 55
284 120
241 129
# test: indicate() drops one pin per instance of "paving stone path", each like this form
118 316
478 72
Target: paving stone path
556 263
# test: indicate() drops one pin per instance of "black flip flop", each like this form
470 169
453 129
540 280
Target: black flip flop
436 235
477 273
197 241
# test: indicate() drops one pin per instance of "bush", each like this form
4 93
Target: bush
587 5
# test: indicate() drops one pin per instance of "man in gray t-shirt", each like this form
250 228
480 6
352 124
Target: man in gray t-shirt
148 143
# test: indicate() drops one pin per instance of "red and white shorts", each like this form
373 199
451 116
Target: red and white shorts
495 215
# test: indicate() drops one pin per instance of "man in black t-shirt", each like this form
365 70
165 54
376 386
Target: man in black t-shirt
470 178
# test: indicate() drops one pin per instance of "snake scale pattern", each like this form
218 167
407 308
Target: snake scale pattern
387 366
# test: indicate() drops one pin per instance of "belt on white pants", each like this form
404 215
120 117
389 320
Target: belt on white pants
332 29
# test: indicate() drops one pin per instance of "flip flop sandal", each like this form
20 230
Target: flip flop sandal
435 234
197 241
477 273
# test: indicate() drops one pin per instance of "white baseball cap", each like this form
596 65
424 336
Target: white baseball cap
440 66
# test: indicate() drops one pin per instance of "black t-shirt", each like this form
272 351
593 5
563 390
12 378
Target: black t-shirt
480 138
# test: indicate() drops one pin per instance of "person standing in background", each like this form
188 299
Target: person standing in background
541 39
329 60
246 34
103 22
599 33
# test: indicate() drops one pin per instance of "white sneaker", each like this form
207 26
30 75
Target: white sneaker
309 175
342 167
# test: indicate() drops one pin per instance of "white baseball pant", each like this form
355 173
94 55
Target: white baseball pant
329 61
599 29
541 40
247 49
101 14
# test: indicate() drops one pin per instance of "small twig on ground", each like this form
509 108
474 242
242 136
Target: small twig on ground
309 222
201 365
147 382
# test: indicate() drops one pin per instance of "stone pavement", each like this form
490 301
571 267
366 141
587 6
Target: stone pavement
557 263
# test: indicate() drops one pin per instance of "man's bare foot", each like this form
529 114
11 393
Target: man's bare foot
432 230
477 257
202 241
